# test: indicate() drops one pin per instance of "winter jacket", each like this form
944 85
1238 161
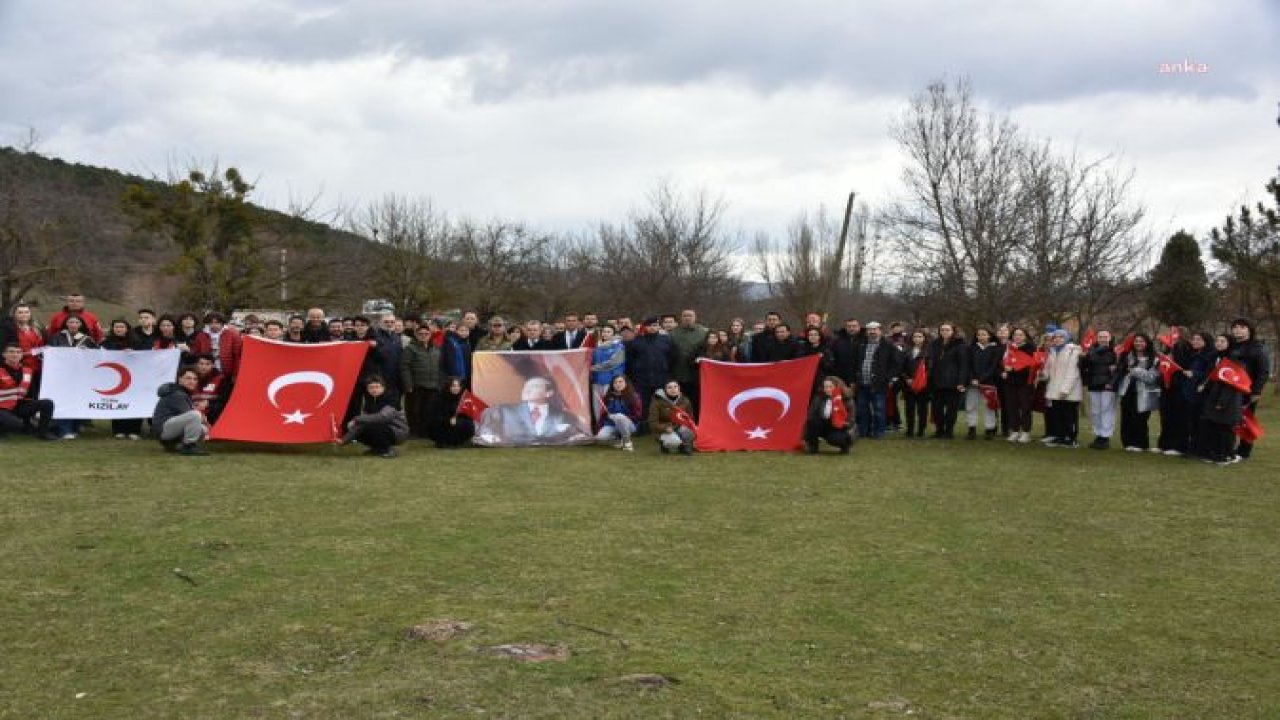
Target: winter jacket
617 405
885 365
910 364
380 412
1253 357
455 359
64 339
420 367
780 350
662 411
1138 374
15 384
1062 372
91 325
948 364
489 343
687 341
1018 378
984 362
1098 367
649 360
174 401
1198 364
229 346
1221 403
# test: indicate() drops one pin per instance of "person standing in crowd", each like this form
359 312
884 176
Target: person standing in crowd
573 335
420 377
1137 386
1222 408
75 306
1174 439
456 354
1019 387
72 335
715 348
166 334
20 328
187 332
739 341
916 402
1063 391
336 331
892 406
1194 373
948 367
689 337
623 411
211 390
875 367
784 346
314 328
389 350
984 364
664 411
273 330
1247 350
145 332
531 337
122 337
295 330
496 339
222 342
649 360
1003 331
177 419
825 421
18 403
1098 369
446 427
762 342
608 361
378 424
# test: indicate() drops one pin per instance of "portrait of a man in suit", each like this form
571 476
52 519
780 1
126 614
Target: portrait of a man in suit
538 419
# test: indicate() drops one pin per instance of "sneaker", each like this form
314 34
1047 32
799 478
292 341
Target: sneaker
1049 440
1014 437
133 436
1172 453
1068 444
389 453
1024 438
1132 448
70 436
119 436
1052 442
627 446
1234 459
1154 450
192 450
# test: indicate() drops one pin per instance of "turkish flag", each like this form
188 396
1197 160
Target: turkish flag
680 417
471 406
1090 338
1167 367
1229 372
920 379
1017 360
755 407
1038 359
590 341
290 393
839 413
990 394
1249 430
1126 346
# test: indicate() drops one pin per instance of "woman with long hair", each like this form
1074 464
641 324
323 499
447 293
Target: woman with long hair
1247 350
714 348
1019 387
917 403
623 412
1137 386
1222 408
120 336
448 428
829 417
948 378
984 366
1174 438
739 341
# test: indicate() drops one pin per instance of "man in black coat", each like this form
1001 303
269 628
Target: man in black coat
876 364
650 357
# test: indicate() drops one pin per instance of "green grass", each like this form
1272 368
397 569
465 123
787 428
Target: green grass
948 580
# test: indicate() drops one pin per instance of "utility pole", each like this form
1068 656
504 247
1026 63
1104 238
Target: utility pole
284 276
837 260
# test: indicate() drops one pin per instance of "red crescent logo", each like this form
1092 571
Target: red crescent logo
126 378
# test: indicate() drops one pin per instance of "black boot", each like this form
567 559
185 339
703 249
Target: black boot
973 433
193 450
991 434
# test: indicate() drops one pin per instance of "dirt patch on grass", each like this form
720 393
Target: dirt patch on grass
530 652
644 681
438 630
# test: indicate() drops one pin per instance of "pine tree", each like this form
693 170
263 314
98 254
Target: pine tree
1180 292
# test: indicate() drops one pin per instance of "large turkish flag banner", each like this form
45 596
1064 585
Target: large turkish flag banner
290 393
754 407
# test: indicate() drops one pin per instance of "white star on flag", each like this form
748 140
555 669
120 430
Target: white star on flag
297 417
758 433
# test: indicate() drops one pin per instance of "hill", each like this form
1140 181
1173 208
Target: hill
63 227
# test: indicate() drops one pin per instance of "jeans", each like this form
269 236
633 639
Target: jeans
1102 412
870 411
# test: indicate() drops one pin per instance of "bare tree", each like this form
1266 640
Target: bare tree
998 227
813 270
499 265
414 242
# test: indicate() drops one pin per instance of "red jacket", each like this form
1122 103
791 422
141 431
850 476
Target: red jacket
30 338
228 348
13 391
91 326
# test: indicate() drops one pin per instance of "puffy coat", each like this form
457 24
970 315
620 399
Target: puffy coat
174 401
948 363
1062 371
1138 374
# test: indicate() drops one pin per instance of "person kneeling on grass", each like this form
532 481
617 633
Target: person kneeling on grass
623 413
829 417
178 418
670 417
379 424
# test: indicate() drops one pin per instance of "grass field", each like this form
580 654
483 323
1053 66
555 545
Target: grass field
915 578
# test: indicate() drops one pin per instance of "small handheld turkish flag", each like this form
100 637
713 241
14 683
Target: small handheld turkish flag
1126 346
991 396
920 379
1017 360
1249 430
471 406
1167 366
1089 339
1231 373
680 417
287 393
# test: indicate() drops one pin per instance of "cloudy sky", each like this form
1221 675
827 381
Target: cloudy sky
561 112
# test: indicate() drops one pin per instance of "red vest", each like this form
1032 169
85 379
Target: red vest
12 391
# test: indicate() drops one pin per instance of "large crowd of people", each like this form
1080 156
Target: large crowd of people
915 381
